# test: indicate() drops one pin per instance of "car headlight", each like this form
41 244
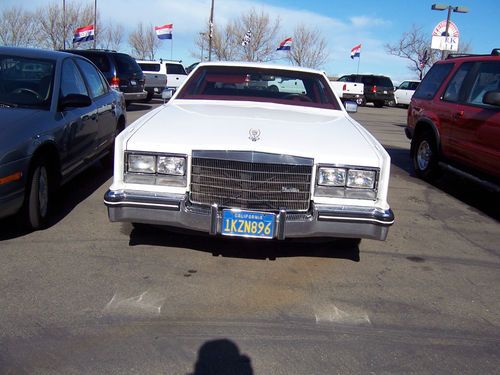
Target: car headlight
154 169
172 165
332 176
141 163
346 182
361 179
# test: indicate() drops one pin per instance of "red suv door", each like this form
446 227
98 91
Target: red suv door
476 133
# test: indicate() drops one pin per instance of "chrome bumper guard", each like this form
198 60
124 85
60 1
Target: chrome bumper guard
175 210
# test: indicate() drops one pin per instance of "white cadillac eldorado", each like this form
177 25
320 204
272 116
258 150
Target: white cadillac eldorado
231 155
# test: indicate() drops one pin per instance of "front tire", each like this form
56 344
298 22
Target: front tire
37 200
425 156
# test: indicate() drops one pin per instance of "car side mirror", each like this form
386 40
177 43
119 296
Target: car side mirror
74 101
167 94
492 97
351 107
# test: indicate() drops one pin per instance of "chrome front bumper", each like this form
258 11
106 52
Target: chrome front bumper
175 210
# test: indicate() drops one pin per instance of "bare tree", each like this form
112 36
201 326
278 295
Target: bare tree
414 45
111 36
227 41
144 42
309 48
17 27
53 32
263 40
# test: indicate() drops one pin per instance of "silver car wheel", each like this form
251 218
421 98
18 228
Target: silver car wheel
424 154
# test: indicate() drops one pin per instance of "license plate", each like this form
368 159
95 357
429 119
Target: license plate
385 92
248 224
133 82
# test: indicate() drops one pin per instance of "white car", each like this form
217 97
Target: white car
226 157
404 92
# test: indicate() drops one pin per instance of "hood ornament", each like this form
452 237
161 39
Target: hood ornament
254 134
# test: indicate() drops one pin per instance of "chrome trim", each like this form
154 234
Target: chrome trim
213 219
175 210
253 157
281 225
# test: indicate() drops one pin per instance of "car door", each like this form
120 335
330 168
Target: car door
477 127
401 94
105 104
80 124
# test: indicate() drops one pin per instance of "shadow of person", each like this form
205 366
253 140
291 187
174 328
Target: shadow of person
221 357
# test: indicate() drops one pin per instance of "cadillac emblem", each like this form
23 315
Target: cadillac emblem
254 134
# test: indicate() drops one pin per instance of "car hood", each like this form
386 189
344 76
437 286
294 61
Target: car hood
327 136
15 124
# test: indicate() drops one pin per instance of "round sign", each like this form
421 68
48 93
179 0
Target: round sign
440 29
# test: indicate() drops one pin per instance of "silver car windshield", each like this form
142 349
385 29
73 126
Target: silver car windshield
26 82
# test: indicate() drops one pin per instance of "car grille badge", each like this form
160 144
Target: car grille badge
254 134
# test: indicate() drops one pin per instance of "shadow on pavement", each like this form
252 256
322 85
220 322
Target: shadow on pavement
245 248
460 188
221 357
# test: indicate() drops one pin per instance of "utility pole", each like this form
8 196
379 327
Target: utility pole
95 23
64 24
211 31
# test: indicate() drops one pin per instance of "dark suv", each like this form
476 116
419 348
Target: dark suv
454 119
378 90
121 70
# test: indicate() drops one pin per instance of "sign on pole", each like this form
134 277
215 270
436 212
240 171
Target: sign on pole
444 42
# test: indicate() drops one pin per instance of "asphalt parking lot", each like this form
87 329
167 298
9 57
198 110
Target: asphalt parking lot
87 296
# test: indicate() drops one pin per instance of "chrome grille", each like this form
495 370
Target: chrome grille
267 186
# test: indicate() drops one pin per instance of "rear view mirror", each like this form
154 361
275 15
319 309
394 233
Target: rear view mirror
351 107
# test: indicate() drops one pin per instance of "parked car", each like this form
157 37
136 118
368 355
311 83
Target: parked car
378 89
121 70
191 67
404 92
155 74
454 119
59 115
176 74
225 156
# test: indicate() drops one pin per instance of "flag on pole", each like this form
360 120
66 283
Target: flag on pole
246 38
285 45
84 34
164 32
356 51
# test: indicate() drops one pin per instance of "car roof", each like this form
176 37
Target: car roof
34 53
247 64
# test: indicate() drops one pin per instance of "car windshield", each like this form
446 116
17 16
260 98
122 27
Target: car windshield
26 82
260 85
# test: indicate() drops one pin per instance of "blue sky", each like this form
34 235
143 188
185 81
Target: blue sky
344 24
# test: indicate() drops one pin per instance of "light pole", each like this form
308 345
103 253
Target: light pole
202 37
211 31
450 8
64 24
95 22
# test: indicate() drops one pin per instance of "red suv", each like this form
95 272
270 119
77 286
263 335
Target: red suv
454 119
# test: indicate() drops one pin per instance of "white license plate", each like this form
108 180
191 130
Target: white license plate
133 82
385 92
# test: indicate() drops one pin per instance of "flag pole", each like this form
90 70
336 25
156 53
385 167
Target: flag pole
95 23
171 47
359 59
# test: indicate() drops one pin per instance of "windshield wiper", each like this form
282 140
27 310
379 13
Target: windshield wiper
8 105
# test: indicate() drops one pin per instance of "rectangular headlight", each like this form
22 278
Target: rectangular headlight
171 165
332 176
141 163
361 179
